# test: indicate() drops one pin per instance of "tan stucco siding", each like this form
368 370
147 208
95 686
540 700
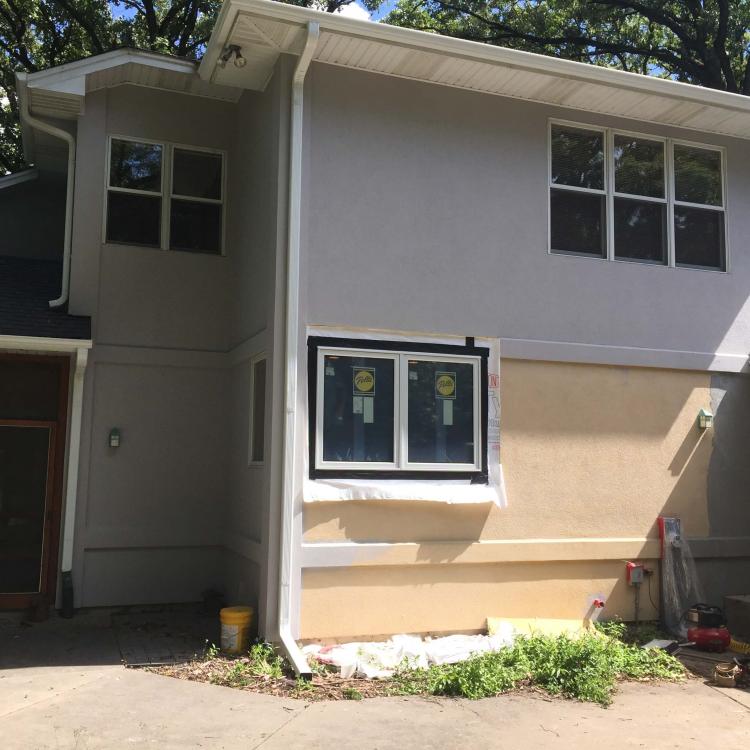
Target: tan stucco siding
591 454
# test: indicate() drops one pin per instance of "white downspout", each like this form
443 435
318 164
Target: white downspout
71 141
288 494
71 490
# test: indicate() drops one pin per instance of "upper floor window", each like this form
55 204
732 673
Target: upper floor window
636 198
161 195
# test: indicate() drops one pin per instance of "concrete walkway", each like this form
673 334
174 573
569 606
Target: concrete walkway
88 701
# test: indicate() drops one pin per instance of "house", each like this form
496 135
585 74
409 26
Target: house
377 330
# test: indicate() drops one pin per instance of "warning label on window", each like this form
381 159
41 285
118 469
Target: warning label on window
363 379
445 385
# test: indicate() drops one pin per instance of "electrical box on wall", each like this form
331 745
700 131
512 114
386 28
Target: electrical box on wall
634 573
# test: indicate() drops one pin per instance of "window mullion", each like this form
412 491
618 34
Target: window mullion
402 412
609 181
166 191
669 167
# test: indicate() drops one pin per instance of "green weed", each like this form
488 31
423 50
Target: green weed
351 694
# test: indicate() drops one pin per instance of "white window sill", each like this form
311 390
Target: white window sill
451 491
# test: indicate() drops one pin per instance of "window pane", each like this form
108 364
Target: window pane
639 166
578 223
197 174
135 165
640 230
441 412
133 219
195 227
358 395
577 157
697 175
699 237
259 410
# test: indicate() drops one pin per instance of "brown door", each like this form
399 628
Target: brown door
33 400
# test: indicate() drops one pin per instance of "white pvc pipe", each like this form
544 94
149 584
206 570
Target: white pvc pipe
71 141
288 494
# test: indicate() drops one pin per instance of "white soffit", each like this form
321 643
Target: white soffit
60 91
264 30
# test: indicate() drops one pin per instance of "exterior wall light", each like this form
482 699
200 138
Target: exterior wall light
705 419
232 51
114 437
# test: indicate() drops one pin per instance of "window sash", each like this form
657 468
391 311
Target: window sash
610 194
400 361
165 193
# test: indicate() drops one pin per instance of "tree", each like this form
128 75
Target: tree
705 42
37 34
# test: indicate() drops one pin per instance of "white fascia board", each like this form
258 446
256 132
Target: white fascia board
468 50
61 76
42 344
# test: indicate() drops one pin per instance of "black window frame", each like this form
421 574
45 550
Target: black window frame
469 349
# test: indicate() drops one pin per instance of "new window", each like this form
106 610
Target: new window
165 196
397 409
629 197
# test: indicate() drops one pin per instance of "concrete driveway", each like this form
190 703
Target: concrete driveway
87 700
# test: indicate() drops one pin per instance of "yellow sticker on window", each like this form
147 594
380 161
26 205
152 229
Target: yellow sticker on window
364 381
445 384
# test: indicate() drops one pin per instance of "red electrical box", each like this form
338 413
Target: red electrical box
634 573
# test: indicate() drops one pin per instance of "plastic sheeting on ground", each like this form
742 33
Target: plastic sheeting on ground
377 660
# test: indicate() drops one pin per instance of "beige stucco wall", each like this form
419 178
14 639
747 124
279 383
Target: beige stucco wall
591 454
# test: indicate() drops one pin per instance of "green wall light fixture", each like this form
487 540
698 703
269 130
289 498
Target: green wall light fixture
705 419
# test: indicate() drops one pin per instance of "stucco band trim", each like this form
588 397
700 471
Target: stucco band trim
345 554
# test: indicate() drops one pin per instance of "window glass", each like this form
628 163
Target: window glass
136 166
257 439
697 175
577 158
133 219
639 166
577 223
699 237
358 402
441 412
195 227
196 174
640 230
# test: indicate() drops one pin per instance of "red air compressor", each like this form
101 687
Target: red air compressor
707 629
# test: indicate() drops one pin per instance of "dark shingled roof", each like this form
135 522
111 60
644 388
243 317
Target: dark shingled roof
26 286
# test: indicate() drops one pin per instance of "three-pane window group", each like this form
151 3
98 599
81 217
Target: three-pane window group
160 195
638 198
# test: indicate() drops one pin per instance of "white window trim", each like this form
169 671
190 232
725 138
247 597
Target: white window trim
263 357
610 194
166 195
400 361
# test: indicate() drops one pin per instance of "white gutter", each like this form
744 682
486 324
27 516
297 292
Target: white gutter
55 132
288 494
74 450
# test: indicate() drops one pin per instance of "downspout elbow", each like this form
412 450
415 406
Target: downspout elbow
70 140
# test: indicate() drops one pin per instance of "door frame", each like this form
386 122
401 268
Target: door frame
55 483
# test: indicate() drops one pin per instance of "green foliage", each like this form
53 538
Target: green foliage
585 668
351 694
264 661
212 651
704 43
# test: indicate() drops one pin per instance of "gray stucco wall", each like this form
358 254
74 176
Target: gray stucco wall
422 198
175 510
32 215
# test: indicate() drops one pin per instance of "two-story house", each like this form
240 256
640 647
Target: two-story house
382 331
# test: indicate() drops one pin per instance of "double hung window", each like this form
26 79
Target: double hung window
620 196
397 409
160 195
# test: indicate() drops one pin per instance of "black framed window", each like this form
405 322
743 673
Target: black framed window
397 409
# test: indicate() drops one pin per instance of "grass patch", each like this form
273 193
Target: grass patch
586 668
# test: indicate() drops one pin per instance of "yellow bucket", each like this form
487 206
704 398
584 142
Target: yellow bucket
235 629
